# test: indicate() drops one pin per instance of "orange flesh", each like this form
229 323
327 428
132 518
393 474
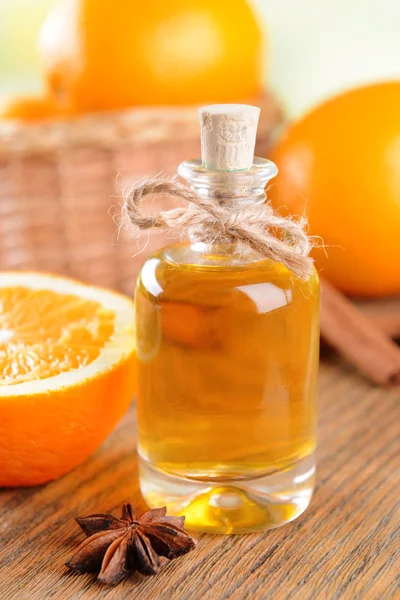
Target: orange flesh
44 333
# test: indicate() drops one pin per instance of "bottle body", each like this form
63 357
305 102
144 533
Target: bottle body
228 357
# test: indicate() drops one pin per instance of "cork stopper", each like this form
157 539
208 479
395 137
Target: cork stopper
228 136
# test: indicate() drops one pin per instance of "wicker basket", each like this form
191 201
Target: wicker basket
58 181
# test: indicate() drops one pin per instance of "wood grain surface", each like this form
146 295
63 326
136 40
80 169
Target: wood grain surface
345 546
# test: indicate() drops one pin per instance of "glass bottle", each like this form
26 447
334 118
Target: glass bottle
228 346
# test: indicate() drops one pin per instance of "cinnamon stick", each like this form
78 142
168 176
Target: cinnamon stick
388 322
358 338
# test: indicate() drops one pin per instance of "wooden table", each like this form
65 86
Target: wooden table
345 546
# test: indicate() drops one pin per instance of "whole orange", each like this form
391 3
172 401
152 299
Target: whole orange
340 164
108 55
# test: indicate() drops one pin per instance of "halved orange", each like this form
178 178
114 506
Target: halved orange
67 373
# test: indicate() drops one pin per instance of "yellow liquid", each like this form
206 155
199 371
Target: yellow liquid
228 359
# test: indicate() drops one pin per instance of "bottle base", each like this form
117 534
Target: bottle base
231 506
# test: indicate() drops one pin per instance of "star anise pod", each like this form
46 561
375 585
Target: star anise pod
115 547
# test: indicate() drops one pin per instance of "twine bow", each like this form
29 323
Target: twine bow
211 219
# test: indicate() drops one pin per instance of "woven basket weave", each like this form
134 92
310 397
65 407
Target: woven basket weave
58 181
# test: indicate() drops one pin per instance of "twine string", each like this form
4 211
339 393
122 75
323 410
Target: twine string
210 219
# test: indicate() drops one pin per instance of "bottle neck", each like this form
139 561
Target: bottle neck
230 187
216 255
